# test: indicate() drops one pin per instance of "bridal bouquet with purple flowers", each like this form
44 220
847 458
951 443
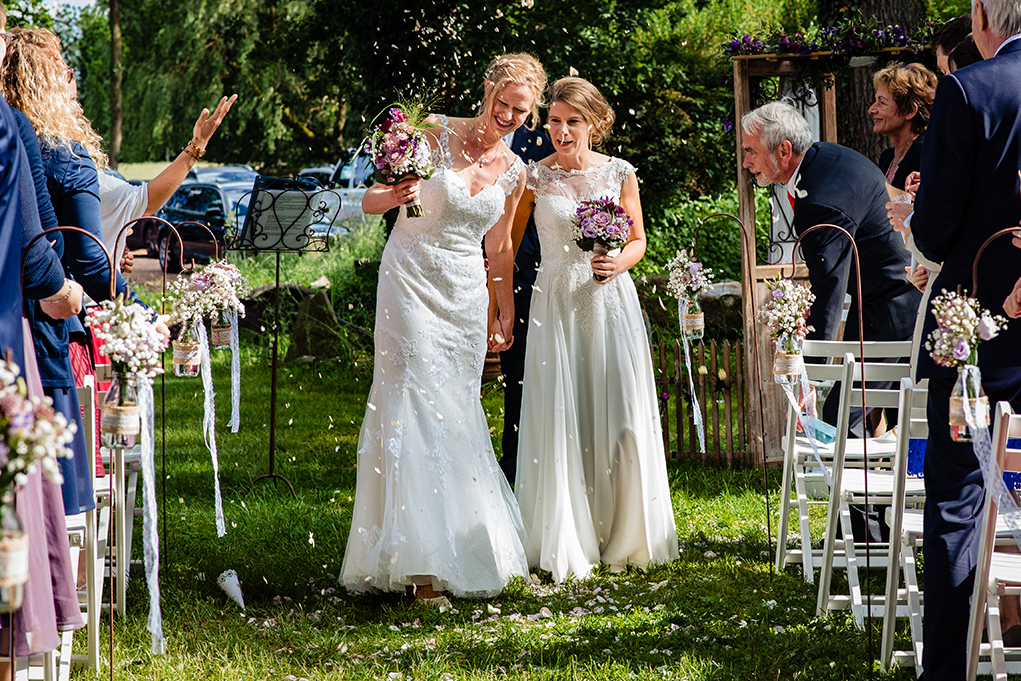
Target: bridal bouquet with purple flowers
400 149
600 226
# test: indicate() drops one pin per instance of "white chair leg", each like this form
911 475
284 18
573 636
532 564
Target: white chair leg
851 555
915 604
785 511
995 635
891 601
807 553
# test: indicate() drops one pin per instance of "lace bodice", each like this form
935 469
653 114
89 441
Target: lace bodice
452 214
557 195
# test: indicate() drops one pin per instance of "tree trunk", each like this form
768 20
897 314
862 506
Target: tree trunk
116 74
854 89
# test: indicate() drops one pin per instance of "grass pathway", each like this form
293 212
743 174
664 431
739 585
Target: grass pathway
715 613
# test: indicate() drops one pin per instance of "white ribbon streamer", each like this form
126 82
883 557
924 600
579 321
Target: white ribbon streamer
209 424
150 538
694 398
809 430
235 372
991 473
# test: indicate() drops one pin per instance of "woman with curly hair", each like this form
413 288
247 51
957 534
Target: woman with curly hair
35 79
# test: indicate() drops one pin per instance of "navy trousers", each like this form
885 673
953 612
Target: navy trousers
954 494
512 364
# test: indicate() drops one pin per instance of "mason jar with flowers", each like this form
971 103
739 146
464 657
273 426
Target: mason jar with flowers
135 347
961 324
32 437
227 287
191 299
689 279
785 314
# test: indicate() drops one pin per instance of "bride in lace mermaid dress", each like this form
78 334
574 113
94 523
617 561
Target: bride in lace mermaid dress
432 507
592 480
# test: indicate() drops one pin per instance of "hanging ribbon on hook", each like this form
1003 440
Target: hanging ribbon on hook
695 408
209 425
805 424
983 448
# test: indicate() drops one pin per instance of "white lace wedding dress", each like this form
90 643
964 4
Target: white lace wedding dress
591 477
431 498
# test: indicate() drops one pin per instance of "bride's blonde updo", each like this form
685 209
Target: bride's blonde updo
516 69
586 99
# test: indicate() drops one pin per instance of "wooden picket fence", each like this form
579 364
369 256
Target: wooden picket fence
720 385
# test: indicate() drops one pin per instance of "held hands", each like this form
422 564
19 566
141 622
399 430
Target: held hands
807 403
207 123
920 277
1012 305
605 266
912 182
898 212
501 335
127 261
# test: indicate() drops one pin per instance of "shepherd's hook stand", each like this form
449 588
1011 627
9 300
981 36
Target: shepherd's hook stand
824 580
750 248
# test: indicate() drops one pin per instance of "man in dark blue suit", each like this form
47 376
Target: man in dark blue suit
831 184
969 191
530 145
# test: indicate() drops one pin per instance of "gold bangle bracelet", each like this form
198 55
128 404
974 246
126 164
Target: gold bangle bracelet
193 150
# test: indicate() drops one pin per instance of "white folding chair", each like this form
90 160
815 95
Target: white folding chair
996 574
866 478
93 546
905 537
83 545
800 466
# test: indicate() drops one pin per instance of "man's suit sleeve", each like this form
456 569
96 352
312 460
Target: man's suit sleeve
829 257
947 156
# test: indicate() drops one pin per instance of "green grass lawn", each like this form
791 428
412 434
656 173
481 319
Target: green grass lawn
715 613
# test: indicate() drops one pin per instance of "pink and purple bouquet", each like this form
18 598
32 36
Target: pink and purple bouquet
689 278
961 324
32 434
600 225
786 310
400 149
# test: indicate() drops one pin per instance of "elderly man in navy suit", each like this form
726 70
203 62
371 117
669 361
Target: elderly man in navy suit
530 145
969 191
830 184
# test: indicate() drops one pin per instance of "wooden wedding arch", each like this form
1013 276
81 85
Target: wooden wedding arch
766 423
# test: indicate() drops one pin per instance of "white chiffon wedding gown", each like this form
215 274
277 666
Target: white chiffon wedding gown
431 499
591 477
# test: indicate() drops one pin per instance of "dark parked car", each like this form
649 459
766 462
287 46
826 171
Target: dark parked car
211 204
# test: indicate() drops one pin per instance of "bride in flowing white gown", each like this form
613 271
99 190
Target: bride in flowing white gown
432 507
591 481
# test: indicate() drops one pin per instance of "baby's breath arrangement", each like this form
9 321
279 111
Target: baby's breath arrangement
218 287
689 278
32 434
961 324
129 336
786 311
